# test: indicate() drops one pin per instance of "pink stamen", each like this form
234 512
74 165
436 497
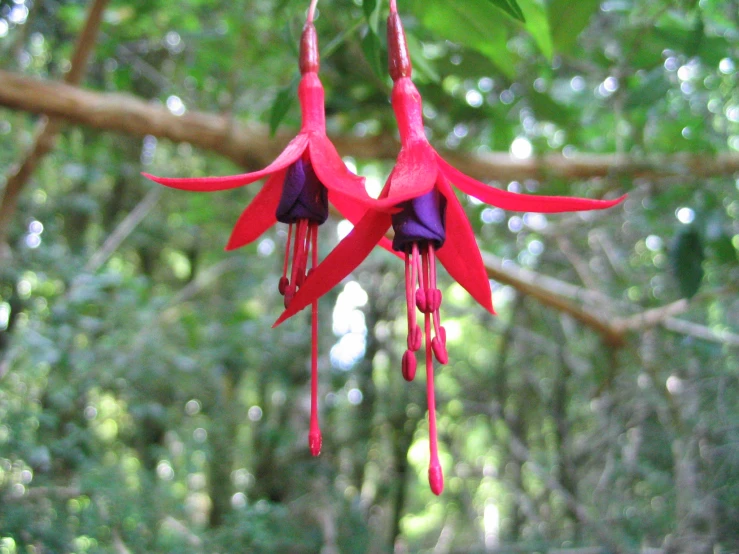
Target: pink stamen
315 440
436 477
438 344
303 260
414 331
432 284
424 295
300 256
299 243
408 289
284 281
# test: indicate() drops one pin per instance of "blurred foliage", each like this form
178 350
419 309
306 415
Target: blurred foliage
148 406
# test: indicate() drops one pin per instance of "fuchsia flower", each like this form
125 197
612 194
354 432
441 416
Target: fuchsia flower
430 224
304 178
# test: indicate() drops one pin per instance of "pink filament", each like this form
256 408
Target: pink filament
284 281
298 252
432 282
303 260
410 283
287 249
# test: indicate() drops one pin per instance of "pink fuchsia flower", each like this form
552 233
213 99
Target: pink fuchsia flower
301 182
430 225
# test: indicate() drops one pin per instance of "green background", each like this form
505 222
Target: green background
146 404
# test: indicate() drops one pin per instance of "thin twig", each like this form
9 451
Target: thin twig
651 317
701 332
197 285
123 230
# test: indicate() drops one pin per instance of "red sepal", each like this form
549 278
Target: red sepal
292 152
520 202
333 173
414 174
260 214
460 254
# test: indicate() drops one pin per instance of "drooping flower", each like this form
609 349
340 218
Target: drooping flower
430 224
302 180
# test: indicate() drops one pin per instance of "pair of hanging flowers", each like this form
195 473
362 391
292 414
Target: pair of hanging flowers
417 201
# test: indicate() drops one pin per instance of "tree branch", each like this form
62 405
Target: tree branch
47 128
250 145
555 293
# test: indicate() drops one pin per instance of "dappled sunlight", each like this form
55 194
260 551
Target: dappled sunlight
147 404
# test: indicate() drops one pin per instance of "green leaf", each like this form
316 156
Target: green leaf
537 23
471 23
510 7
281 5
369 7
649 91
686 261
547 109
693 42
567 19
421 64
282 103
723 249
373 51
372 14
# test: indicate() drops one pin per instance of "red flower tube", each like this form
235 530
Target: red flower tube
429 224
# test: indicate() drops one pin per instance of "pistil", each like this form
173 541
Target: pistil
315 439
303 206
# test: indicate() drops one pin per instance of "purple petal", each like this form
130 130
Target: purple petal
420 219
303 195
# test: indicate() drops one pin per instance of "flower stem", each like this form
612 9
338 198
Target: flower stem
312 10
